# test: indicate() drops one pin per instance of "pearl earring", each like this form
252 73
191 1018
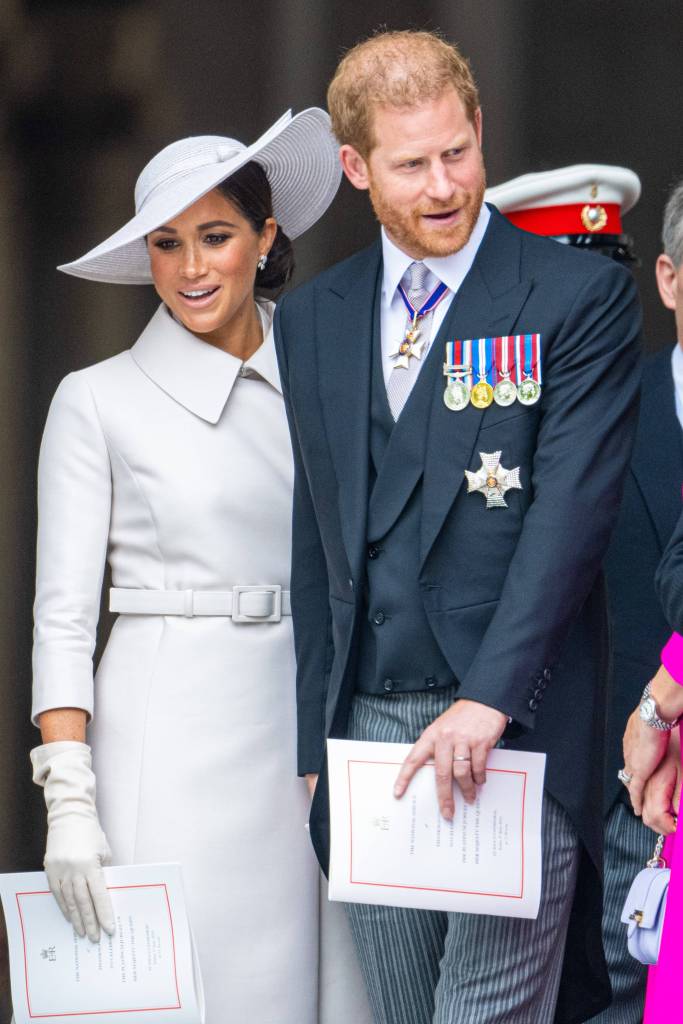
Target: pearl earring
261 262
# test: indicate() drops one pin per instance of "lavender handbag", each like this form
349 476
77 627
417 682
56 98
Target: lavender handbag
645 907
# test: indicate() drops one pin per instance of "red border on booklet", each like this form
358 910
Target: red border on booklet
428 888
94 1013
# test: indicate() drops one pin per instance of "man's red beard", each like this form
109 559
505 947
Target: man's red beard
412 233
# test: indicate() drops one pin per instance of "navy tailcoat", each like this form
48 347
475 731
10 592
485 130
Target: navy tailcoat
669 579
649 510
514 596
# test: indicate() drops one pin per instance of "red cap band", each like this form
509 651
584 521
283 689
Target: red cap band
571 219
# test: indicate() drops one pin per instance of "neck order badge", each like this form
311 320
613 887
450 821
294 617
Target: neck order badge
507 368
410 345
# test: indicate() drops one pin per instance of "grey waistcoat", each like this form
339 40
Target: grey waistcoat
398 651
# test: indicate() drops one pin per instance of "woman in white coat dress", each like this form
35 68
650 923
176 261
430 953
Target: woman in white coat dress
172 461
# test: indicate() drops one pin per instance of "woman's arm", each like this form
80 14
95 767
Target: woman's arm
63 724
667 690
74 509
672 657
645 746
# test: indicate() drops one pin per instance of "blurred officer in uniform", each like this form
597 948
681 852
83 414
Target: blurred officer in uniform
582 206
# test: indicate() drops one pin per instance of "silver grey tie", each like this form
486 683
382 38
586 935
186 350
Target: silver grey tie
401 381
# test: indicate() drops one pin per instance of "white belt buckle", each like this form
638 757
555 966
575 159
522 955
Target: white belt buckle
275 592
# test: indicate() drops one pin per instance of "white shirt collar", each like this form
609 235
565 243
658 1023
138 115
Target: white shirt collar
452 269
195 373
677 371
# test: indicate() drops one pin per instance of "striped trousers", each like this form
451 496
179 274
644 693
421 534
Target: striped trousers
628 845
426 967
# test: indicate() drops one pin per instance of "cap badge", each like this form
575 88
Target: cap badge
593 218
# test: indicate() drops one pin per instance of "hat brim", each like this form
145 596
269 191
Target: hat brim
299 156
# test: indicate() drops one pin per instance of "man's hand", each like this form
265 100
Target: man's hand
644 748
458 742
663 791
311 782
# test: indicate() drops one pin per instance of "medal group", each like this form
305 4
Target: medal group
503 370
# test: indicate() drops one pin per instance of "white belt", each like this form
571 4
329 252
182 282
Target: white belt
243 604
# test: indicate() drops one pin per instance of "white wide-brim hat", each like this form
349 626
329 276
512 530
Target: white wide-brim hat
298 154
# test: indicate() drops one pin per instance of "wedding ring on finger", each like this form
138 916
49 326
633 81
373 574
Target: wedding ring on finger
624 776
461 757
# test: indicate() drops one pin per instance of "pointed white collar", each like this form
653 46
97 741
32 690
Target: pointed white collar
196 374
452 270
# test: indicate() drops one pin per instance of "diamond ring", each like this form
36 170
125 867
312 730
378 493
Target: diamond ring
624 776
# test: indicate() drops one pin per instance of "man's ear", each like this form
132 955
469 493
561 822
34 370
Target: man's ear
354 167
667 281
478 125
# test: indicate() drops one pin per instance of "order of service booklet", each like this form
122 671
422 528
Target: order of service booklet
147 970
403 853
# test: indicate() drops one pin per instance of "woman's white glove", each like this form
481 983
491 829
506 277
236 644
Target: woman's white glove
76 845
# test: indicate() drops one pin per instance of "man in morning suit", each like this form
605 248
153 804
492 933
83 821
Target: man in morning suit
445 611
650 508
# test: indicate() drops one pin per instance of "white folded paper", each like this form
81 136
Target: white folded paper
403 853
147 970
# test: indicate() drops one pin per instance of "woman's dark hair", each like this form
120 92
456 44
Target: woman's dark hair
249 190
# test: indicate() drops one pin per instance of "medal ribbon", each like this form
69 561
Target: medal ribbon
504 357
431 303
530 364
482 350
459 353
536 349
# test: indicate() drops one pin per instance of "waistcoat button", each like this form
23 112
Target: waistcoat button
430 682
379 618
373 551
388 685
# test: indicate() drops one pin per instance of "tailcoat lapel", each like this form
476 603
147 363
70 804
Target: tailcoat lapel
487 304
403 461
347 318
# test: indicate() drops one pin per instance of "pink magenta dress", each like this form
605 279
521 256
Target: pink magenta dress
664 980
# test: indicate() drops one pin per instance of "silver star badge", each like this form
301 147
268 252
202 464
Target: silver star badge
492 480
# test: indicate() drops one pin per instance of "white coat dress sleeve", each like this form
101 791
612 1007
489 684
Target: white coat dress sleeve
74 509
